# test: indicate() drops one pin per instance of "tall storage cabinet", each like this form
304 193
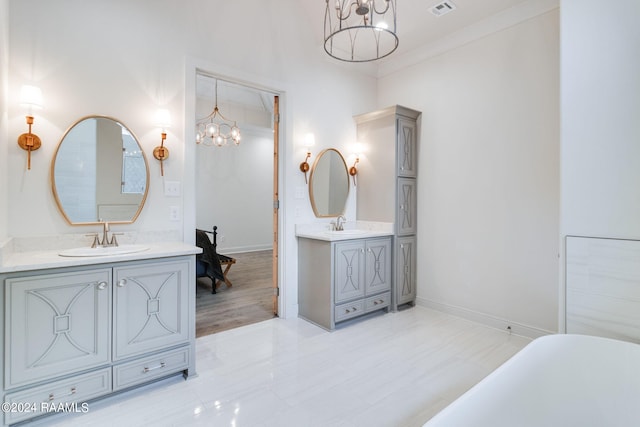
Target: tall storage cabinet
387 187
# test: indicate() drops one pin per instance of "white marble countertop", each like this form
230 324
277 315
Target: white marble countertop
39 260
352 230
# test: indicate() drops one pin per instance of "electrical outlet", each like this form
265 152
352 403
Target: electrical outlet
299 194
174 213
172 188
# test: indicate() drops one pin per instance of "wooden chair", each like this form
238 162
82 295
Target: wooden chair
210 262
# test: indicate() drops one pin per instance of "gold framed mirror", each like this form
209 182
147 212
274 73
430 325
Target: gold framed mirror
99 173
329 184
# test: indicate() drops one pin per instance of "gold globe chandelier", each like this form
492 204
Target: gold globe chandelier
360 30
215 129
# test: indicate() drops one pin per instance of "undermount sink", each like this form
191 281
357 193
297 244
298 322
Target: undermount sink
350 232
103 251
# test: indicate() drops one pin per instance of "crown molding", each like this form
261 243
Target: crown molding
498 22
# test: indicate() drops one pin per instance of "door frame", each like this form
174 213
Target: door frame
194 67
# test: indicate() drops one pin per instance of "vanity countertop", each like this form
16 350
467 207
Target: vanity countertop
40 260
357 230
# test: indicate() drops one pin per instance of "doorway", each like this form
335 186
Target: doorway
236 190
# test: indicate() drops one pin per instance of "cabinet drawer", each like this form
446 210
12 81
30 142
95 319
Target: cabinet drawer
349 310
44 399
148 368
377 302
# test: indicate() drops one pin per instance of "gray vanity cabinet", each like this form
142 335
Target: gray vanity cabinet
387 187
344 279
72 334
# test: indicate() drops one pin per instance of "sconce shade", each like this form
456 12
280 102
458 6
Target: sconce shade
30 97
163 118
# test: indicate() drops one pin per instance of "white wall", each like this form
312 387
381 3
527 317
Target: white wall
600 158
234 191
601 119
488 184
125 59
4 139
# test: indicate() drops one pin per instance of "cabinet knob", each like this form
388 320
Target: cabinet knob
121 283
102 285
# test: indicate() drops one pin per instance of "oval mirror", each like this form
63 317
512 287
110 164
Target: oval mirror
99 173
329 184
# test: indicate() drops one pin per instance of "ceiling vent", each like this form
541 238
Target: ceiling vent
442 8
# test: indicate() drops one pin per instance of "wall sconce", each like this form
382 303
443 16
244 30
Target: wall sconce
309 141
30 97
353 171
163 121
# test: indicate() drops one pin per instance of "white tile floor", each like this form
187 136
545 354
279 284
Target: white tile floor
394 369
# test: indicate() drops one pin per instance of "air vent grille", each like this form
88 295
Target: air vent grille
442 8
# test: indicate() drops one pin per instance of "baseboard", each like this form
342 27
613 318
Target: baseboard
485 319
240 249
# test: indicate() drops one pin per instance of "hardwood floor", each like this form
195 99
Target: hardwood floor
247 301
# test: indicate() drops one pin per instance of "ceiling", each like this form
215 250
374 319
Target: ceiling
418 31
416 25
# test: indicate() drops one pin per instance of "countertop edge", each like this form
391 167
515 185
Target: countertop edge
42 260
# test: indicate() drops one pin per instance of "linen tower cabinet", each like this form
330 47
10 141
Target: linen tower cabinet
386 187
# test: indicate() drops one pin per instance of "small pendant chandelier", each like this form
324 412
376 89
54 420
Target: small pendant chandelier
215 129
360 30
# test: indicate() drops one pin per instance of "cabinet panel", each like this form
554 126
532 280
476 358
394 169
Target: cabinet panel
77 389
377 266
407 209
349 310
406 146
377 302
56 324
348 278
148 368
406 270
150 307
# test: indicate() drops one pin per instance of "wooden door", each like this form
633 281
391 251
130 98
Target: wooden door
276 201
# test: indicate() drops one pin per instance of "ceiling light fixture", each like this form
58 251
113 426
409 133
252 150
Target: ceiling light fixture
360 30
215 129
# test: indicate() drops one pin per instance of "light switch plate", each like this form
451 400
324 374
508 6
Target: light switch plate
172 188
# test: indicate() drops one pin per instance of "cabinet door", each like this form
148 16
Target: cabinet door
405 270
406 217
151 309
56 324
348 279
406 146
377 265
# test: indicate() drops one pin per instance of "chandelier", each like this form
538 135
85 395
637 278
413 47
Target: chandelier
360 30
215 129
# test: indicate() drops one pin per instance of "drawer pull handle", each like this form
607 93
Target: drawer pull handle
102 285
71 393
122 282
160 366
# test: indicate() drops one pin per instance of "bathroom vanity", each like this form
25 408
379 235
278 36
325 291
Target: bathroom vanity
387 187
78 328
343 274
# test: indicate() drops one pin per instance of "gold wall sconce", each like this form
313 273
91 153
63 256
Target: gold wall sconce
309 141
161 153
30 97
353 171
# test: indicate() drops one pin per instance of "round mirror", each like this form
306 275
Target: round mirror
99 173
329 184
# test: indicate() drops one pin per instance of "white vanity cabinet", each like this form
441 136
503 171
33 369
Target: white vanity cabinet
76 333
340 280
387 187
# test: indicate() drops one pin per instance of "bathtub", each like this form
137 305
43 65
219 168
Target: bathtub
556 380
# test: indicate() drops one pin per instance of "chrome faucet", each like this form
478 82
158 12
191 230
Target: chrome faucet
340 224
